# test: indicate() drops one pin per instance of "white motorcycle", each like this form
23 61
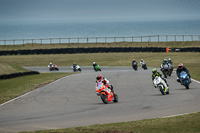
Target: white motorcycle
77 68
160 84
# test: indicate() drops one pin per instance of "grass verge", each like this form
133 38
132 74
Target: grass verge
179 124
10 68
12 88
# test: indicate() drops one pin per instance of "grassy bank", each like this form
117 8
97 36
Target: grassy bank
179 124
11 88
115 44
10 68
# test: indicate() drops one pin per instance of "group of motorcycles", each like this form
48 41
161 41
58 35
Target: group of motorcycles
167 70
76 68
143 65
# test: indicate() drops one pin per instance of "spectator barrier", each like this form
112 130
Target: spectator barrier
96 50
14 75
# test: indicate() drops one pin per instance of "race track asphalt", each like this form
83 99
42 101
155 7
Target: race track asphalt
72 101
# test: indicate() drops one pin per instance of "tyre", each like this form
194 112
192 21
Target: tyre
79 69
187 86
162 90
115 98
104 98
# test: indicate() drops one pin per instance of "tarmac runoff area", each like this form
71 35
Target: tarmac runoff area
72 101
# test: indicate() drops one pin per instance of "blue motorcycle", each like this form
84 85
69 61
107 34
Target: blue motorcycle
185 79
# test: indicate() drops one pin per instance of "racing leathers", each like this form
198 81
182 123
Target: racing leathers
178 71
159 75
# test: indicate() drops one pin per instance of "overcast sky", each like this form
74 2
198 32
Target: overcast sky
71 10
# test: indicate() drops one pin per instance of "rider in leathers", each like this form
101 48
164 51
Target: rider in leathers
179 70
156 73
100 79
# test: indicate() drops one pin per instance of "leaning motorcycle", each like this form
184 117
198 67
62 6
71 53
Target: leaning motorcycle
76 68
144 65
107 95
165 70
170 69
185 79
53 67
97 68
160 84
135 67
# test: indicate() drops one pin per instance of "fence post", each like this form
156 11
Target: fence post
69 40
175 38
192 37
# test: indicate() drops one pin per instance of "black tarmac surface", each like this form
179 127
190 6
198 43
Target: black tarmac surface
72 101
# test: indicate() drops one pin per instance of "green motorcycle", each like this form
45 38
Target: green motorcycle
97 68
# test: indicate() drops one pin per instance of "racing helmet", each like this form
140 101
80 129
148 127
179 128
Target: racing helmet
180 66
169 59
50 63
154 70
94 62
99 77
74 63
133 59
141 60
165 60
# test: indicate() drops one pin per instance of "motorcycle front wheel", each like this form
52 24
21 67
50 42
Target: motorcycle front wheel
104 98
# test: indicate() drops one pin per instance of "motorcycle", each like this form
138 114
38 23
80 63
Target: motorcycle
170 69
185 79
97 68
107 95
160 84
134 65
144 65
76 68
53 67
165 70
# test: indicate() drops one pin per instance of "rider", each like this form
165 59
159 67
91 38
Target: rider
180 69
142 62
74 65
51 64
165 62
94 64
156 73
170 61
133 62
105 81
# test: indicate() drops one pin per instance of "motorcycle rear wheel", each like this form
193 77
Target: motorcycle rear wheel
115 98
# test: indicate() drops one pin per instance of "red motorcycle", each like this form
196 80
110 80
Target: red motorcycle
107 94
53 67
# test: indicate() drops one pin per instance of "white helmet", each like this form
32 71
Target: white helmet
94 63
169 59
